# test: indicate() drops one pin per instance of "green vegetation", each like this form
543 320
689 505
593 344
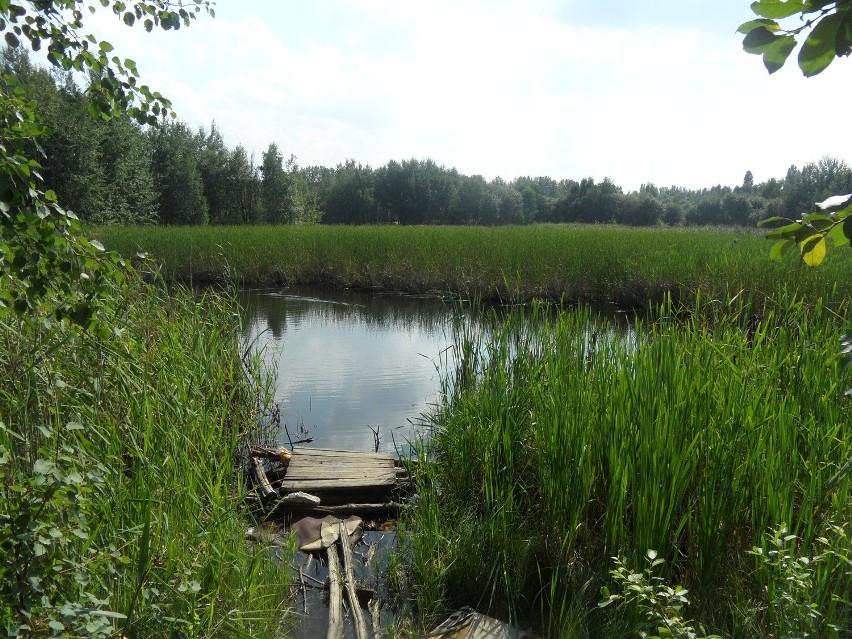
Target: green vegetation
827 25
116 172
120 493
563 443
590 263
123 405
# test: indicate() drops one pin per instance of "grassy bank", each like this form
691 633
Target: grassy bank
598 264
563 444
120 499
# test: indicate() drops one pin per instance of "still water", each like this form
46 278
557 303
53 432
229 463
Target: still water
348 363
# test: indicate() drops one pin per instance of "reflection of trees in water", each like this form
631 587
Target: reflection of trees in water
279 311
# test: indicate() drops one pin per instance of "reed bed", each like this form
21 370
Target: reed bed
596 264
121 506
563 442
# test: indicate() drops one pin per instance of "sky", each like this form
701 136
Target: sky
642 91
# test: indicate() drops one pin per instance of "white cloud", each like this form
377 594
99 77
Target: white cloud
499 88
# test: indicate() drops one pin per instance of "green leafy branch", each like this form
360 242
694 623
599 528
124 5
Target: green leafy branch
114 86
828 25
830 222
659 605
48 270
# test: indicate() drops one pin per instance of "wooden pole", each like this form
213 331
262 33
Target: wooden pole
335 596
357 614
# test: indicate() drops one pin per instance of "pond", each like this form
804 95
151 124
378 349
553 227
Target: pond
352 371
351 367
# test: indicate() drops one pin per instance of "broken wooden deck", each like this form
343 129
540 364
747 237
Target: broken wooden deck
339 478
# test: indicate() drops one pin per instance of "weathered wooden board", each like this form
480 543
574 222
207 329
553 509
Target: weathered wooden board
313 485
324 469
333 452
337 476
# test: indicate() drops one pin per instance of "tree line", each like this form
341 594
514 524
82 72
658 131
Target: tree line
118 172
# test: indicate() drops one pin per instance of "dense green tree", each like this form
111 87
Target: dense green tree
414 191
213 166
673 213
276 196
244 186
346 194
640 209
129 192
176 175
735 210
595 202
509 204
474 203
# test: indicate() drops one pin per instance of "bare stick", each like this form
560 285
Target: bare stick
335 596
375 607
357 615
304 590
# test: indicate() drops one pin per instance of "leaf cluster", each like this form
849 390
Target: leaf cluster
791 579
115 88
830 222
49 564
48 269
825 24
659 605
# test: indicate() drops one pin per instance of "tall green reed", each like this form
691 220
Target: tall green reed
596 264
145 422
564 442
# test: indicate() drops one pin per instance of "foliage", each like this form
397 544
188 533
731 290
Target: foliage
509 264
830 222
790 579
562 441
275 187
177 176
54 574
826 23
659 605
119 490
42 253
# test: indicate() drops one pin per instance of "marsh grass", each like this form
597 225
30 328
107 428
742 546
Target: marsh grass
596 264
122 501
563 442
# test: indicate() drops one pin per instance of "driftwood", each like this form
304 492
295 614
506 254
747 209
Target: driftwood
375 607
335 597
357 615
263 485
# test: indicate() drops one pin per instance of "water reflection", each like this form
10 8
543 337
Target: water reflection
348 362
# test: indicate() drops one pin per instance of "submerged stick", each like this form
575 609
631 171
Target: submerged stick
357 614
335 596
375 607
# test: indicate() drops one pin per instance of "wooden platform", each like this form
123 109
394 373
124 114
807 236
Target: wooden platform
337 476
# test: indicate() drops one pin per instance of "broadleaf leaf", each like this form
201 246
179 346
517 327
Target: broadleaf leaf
818 50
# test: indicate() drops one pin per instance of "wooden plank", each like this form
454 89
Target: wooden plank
350 471
333 452
310 485
340 461
327 468
324 464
